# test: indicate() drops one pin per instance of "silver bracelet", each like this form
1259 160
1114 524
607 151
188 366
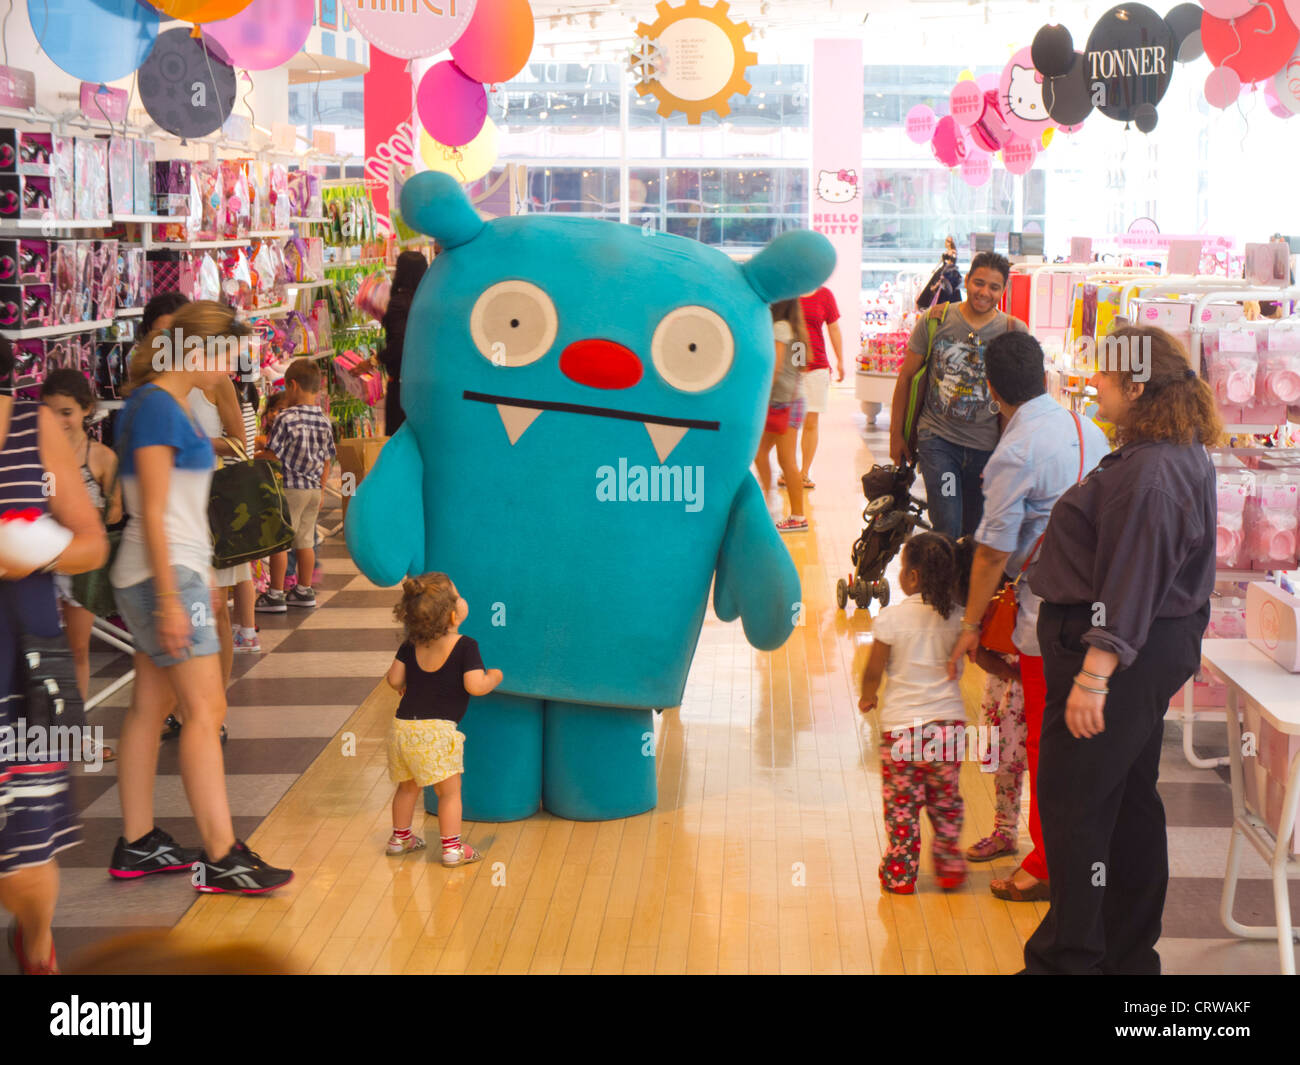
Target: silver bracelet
1094 676
1095 691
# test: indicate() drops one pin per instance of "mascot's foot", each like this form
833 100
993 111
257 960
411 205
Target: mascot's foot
503 760
599 762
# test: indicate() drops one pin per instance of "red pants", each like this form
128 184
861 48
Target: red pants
1035 685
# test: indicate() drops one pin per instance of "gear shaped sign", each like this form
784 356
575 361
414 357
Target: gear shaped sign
702 61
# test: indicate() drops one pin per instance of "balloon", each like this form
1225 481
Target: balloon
987 82
949 142
1185 22
1048 135
466 164
976 169
1069 99
424 30
1222 87
497 42
920 124
265 35
1145 117
1052 51
1256 45
1275 105
1129 59
1018 156
1021 97
991 131
185 87
95 40
201 10
1228 8
966 103
967 75
451 105
1286 84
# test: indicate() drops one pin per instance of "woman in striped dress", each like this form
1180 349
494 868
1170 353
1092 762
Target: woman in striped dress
37 471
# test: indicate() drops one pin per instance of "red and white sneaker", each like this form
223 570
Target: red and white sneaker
792 525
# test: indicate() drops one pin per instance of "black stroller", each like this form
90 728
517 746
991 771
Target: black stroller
892 512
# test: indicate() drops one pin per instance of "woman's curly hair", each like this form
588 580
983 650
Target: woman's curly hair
1175 406
427 605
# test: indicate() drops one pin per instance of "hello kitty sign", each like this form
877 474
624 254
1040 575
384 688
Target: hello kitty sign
1020 93
840 186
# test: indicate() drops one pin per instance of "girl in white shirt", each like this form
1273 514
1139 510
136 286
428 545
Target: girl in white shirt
922 715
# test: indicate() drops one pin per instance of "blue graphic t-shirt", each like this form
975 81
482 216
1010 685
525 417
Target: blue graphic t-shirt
958 407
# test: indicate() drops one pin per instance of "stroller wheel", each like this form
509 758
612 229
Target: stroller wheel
881 591
841 593
861 592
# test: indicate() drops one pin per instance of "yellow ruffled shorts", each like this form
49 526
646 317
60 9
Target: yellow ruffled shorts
427 752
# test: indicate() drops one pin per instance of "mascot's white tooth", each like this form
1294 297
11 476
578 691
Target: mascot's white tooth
516 420
665 438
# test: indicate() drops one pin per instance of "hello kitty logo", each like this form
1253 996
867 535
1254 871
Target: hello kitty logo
1025 96
837 186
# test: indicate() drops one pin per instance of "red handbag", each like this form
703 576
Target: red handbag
999 621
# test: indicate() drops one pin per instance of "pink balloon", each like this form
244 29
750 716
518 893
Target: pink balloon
1020 94
265 35
977 169
452 106
1228 8
1018 156
920 124
949 142
497 42
1222 87
987 82
991 131
966 103
1275 106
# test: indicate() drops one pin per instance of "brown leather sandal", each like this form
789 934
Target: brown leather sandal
1007 890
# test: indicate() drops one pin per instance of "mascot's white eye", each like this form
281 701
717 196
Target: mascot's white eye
513 323
693 349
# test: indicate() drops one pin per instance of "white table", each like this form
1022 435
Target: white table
1250 674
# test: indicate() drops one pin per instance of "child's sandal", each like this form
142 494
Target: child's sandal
462 855
990 847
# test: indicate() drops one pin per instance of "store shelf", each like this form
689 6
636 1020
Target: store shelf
131 312
269 234
1250 430
868 373
56 330
1237 576
308 221
267 312
310 284
28 225
150 219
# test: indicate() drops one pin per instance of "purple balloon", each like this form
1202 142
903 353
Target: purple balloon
265 35
452 105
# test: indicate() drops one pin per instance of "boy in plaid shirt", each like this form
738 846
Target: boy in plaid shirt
303 441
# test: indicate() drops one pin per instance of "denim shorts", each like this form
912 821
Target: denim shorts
137 604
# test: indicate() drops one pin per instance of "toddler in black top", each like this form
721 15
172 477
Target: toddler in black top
435 672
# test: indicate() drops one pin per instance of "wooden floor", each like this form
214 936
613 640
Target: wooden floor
761 856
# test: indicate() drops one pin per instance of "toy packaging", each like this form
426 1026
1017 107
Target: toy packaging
121 175
104 273
25 261
235 203
25 152
63 172
172 187
91 178
65 282
25 197
142 183
26 306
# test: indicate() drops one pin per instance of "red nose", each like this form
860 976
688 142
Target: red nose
600 364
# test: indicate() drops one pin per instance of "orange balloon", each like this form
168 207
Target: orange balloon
201 10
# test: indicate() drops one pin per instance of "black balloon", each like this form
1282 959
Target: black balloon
1145 117
185 88
1052 51
1129 60
1068 99
1185 23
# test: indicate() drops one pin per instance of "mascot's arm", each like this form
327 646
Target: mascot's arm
385 522
757 581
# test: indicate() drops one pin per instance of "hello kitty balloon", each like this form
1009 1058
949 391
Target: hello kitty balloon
1020 93
31 539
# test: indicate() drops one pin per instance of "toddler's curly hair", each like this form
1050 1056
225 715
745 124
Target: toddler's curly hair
426 608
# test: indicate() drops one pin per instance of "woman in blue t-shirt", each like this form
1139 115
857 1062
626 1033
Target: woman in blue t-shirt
162 578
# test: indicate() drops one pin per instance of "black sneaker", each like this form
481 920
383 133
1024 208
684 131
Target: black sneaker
240 872
270 603
171 727
301 597
155 853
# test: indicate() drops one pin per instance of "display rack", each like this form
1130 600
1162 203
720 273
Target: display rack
43 331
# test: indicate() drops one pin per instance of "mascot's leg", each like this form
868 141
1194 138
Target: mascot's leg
598 762
503 760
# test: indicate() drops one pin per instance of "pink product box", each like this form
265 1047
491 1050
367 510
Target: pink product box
63 167
85 288
24 152
104 289
92 178
26 306
121 176
65 282
1267 770
25 197
29 362
25 261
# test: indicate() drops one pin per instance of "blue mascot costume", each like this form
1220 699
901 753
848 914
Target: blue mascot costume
583 404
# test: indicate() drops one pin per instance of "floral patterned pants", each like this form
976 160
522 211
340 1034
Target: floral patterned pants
1003 705
907 787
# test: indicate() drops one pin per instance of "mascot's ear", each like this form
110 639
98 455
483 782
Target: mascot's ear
435 205
796 262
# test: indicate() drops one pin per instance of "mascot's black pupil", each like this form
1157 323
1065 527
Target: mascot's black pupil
692 348
514 323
